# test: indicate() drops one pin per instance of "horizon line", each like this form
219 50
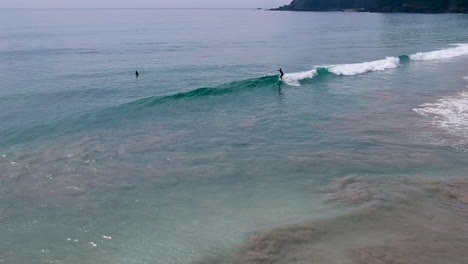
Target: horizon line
103 8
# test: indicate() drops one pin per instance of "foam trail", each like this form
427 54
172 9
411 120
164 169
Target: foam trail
359 68
450 113
459 50
294 78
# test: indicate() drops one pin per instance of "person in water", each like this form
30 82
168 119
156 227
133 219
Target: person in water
137 74
281 73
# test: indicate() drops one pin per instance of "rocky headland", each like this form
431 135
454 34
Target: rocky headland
409 6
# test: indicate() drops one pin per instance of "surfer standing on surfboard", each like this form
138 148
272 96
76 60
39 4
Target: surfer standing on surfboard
281 73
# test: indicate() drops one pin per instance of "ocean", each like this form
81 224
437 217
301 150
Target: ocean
357 156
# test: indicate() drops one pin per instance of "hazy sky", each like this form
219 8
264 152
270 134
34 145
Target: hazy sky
141 3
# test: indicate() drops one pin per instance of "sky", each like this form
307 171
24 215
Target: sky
142 3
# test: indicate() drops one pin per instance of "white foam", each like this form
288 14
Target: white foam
459 50
359 68
450 113
294 78
343 69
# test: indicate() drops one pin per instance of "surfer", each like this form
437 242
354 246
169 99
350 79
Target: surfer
281 73
136 74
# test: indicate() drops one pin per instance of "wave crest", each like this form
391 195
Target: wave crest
359 68
460 50
294 78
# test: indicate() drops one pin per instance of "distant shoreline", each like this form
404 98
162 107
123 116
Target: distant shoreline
135 8
351 10
379 6
366 11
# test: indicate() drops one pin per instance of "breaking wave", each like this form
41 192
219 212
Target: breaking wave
342 69
294 78
459 50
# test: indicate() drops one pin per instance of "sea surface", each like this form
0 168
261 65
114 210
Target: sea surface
207 157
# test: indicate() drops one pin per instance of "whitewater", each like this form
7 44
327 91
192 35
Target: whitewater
448 112
294 79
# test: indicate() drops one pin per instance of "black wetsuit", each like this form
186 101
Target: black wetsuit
137 74
281 73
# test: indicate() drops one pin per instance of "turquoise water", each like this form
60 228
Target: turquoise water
207 146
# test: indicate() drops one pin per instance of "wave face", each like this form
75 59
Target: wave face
227 88
294 78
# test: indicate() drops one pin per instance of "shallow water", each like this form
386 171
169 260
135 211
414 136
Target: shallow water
207 149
